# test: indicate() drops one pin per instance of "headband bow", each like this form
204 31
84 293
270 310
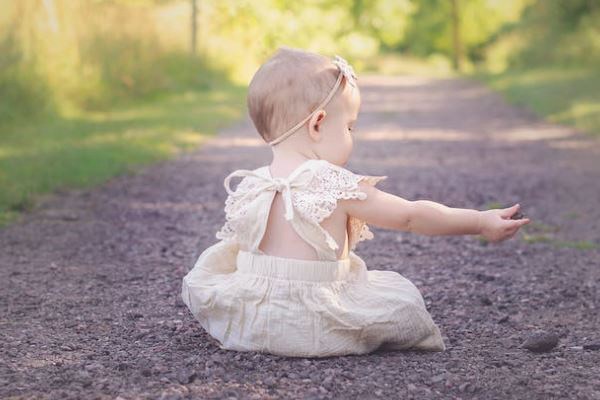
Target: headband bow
345 69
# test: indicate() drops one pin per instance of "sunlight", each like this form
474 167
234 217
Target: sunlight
420 135
235 141
526 133
576 144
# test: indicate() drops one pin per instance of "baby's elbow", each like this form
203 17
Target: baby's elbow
417 220
404 219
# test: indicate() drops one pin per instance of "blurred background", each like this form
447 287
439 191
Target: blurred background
94 88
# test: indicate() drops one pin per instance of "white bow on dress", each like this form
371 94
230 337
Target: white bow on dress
298 178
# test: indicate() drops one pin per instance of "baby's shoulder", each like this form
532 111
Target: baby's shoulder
341 181
330 183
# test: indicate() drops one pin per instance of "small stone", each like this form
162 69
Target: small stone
64 215
518 215
540 342
593 346
184 376
486 301
135 316
484 277
170 396
438 378
122 366
503 319
93 367
270 382
315 376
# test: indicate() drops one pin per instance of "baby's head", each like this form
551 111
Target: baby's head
290 86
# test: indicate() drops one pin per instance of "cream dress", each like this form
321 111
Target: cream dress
251 301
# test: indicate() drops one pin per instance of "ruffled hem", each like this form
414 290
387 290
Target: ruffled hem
319 314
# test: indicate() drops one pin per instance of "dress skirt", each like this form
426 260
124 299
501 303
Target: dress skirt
302 308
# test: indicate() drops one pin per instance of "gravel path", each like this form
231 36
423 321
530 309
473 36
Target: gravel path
90 281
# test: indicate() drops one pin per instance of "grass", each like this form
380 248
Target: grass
86 148
569 96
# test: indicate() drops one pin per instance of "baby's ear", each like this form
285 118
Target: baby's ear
315 123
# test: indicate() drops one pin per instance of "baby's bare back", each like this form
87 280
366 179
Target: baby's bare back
282 240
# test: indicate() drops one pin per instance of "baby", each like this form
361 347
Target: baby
284 278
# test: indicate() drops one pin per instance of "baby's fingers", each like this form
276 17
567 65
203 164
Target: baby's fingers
506 213
515 224
511 231
520 222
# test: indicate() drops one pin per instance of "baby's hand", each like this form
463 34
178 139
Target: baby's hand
496 224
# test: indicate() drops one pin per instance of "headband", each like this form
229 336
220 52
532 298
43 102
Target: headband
345 71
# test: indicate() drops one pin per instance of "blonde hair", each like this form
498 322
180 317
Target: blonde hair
286 88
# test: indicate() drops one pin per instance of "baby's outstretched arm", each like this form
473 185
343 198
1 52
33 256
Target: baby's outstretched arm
427 217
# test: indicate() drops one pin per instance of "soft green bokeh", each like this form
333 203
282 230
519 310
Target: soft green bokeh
89 147
89 89
568 96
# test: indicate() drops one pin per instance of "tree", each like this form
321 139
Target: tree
457 44
194 27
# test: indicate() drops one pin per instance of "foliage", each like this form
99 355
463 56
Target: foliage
89 147
67 68
430 27
564 33
81 55
565 95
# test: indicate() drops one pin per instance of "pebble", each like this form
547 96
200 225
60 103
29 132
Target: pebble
270 382
593 346
540 342
464 386
93 367
122 366
186 376
503 319
486 301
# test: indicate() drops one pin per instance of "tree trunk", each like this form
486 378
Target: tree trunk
194 28
456 37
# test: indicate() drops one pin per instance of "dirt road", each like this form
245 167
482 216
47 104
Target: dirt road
90 281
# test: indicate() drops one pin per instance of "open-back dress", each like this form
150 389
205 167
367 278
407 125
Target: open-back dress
252 301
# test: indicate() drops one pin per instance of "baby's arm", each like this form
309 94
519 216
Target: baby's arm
427 217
